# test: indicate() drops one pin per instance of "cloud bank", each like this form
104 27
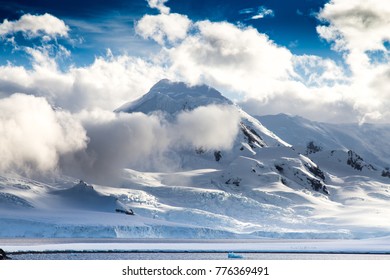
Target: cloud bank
266 78
36 139
106 84
33 135
241 62
148 142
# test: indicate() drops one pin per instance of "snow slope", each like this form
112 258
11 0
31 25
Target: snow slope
261 187
371 141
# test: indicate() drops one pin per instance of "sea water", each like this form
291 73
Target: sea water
25 250
194 256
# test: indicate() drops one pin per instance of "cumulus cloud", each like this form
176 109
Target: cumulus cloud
107 83
160 5
231 57
356 25
359 29
163 27
33 135
35 25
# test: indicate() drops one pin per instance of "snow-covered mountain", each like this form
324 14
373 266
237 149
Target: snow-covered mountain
173 97
265 184
362 147
370 141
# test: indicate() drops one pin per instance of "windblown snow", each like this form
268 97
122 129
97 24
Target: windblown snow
289 178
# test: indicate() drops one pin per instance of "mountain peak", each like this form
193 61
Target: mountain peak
172 97
169 87
164 83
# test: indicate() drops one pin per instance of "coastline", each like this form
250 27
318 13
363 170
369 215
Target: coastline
301 246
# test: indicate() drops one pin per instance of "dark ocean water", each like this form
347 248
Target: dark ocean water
160 255
193 256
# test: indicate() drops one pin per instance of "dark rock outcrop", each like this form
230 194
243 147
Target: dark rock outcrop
234 181
3 255
127 212
317 185
386 172
279 168
217 155
252 136
357 162
315 170
312 148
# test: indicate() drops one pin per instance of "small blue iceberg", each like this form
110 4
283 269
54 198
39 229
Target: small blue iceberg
232 255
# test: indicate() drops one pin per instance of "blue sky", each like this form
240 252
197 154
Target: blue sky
326 60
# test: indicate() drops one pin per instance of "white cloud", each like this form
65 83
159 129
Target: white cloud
107 83
35 25
163 27
160 5
117 141
232 58
246 11
357 28
33 136
246 64
356 25
263 12
210 127
316 71
331 103
41 59
148 142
